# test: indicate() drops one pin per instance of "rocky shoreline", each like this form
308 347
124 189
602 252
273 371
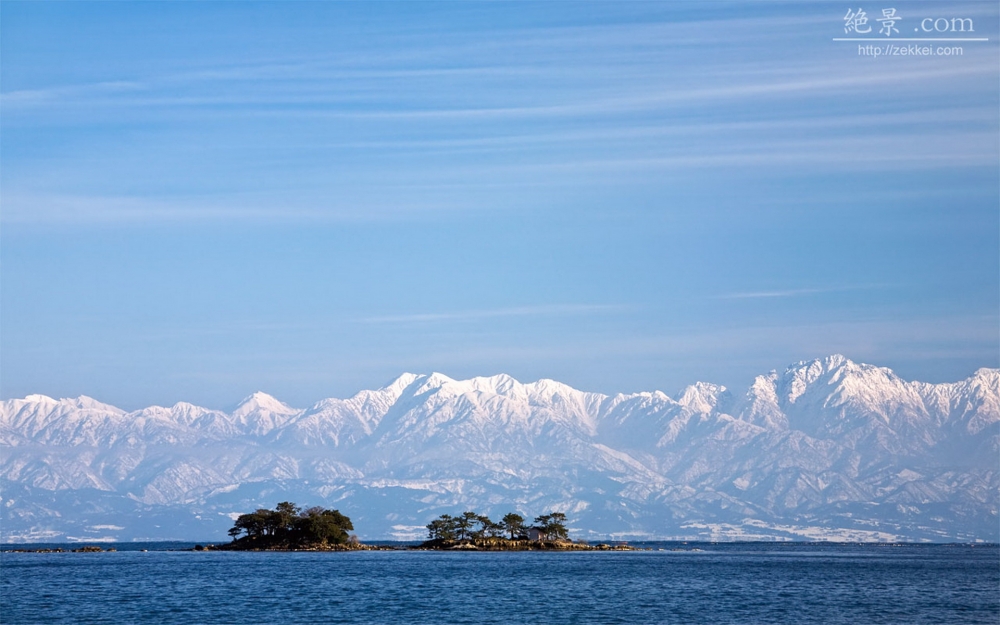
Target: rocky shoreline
504 544
316 547
86 549
484 544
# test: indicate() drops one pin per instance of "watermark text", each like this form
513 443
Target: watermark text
894 49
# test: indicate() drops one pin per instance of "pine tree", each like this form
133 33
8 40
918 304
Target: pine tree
513 524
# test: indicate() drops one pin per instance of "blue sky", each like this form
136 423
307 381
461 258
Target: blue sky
201 200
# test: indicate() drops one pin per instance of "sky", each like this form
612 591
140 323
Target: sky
202 200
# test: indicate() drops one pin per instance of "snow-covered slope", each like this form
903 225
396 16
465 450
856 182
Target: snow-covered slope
826 449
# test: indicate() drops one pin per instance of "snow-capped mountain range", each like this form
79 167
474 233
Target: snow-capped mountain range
827 449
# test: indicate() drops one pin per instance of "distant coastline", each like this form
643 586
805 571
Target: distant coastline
432 545
408 546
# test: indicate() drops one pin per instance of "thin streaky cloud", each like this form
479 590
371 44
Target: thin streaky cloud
768 83
474 315
417 58
609 106
29 98
799 292
938 149
964 115
891 153
771 294
126 210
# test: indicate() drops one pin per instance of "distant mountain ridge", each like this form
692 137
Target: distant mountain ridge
827 449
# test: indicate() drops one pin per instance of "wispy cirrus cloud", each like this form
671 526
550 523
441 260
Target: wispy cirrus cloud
779 293
298 101
517 311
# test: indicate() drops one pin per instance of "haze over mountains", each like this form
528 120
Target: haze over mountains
827 449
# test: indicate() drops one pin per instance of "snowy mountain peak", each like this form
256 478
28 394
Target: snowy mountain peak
89 403
701 396
811 370
550 389
260 414
500 381
262 401
399 383
432 382
816 376
40 399
501 384
760 406
989 378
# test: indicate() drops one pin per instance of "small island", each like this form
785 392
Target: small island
475 532
290 528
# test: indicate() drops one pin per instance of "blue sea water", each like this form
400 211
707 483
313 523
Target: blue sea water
727 583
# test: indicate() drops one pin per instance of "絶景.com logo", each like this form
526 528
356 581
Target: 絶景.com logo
857 21
892 23
894 29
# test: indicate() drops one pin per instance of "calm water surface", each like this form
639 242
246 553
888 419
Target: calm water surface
721 584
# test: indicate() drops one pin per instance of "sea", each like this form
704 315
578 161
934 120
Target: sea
683 583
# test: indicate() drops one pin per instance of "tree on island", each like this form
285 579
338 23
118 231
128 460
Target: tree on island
464 523
288 526
325 526
551 527
487 528
442 528
513 524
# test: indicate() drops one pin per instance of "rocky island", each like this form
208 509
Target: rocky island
475 532
291 528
